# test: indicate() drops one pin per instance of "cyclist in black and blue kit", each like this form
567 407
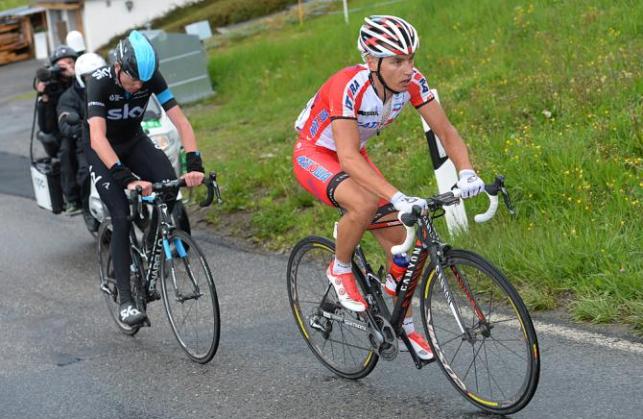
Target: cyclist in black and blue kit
119 153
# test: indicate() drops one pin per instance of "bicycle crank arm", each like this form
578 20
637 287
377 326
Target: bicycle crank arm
352 323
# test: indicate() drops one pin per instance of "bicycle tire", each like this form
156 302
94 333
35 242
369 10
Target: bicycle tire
181 218
173 288
310 257
472 278
106 275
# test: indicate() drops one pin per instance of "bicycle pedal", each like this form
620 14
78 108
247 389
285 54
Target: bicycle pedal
105 289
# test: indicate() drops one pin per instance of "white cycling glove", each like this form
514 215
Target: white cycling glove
404 204
469 184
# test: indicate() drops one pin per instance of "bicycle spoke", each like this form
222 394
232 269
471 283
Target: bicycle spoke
350 344
446 342
504 361
506 347
486 362
504 321
475 368
472 361
492 377
447 331
186 315
457 351
341 329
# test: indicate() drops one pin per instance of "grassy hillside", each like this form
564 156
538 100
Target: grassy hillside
547 92
10 4
218 12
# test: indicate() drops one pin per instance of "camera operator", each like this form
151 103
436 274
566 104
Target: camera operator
50 83
71 115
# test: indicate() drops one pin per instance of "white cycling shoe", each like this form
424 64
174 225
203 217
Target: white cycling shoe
420 346
346 289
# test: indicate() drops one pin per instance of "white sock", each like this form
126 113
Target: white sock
341 267
408 325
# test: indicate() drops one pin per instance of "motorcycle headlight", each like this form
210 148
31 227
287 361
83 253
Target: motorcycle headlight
161 141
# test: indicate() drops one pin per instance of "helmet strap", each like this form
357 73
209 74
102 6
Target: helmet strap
378 73
118 75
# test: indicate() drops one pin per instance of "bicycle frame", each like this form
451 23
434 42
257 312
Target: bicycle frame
162 230
153 255
428 246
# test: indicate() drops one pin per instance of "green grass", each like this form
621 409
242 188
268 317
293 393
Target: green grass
10 4
500 67
218 12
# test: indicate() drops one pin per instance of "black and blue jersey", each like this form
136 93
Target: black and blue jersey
123 111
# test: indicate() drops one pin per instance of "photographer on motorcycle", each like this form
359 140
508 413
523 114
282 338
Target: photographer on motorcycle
71 114
50 83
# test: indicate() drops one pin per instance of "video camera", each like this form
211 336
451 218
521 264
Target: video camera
52 77
46 74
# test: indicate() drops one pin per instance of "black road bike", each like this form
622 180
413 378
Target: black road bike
476 323
172 256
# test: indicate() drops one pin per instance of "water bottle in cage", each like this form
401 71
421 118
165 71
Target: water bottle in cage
396 273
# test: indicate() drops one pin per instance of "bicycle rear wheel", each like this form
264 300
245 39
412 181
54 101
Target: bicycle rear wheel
190 298
494 363
108 279
336 342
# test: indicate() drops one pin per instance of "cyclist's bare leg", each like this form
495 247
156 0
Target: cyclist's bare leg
360 207
390 236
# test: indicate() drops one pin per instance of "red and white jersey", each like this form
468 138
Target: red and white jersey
348 94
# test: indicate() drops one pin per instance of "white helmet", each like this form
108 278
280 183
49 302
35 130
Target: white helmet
75 40
386 36
87 63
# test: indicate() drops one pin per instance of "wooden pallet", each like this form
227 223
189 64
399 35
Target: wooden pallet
6 58
15 41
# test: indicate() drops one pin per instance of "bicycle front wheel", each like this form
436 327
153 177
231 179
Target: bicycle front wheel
189 297
481 332
332 332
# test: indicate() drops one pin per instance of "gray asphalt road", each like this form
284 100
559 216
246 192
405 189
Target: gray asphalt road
63 357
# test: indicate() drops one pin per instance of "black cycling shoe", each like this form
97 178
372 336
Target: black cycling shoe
73 208
153 294
129 314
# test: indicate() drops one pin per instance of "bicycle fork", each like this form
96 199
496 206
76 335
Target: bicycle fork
182 253
467 332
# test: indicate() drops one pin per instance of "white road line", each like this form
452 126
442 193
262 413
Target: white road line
591 338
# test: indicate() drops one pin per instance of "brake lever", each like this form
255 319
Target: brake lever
139 202
213 190
499 186
136 203
217 191
507 201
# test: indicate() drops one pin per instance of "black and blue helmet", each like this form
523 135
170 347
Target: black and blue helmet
137 57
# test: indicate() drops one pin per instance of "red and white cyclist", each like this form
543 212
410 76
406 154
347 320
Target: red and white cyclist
330 159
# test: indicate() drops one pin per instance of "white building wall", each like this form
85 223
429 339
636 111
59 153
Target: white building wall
105 19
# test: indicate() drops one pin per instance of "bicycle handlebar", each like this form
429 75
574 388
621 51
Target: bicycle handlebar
210 181
409 220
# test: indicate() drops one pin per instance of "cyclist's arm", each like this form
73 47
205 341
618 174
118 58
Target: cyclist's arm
346 137
453 144
100 143
173 110
184 127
